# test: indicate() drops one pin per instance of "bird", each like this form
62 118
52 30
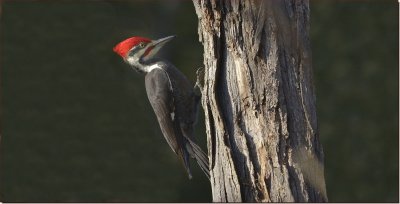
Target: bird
172 97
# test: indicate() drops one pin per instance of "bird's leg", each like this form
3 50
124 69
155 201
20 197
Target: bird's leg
198 90
198 87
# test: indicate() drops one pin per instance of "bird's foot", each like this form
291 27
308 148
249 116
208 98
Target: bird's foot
198 87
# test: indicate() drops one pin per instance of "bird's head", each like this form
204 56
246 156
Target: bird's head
136 51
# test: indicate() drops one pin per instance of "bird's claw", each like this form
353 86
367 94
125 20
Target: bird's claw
198 87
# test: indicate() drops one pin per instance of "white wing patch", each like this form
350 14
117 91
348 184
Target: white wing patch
173 115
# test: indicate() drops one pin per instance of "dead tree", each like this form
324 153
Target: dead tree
259 101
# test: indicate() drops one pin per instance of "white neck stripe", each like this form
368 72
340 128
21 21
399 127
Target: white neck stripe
151 67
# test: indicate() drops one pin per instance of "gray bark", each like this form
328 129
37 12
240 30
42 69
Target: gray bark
0 74
259 101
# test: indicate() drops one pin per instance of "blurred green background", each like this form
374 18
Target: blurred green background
77 126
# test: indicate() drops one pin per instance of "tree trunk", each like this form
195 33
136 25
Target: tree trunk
259 101
1 132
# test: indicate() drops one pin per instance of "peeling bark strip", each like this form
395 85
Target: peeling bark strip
259 101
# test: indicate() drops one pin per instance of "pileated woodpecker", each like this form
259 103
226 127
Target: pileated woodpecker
171 95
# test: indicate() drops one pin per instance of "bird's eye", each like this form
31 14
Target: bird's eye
142 44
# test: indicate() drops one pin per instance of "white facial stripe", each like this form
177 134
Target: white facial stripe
131 60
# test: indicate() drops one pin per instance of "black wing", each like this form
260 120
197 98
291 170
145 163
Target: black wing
178 135
159 92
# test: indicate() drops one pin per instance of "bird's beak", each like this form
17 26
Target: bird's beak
155 45
161 42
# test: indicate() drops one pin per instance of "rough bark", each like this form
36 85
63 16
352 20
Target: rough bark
1 2
259 101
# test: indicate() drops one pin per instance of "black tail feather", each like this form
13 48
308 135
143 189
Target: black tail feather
186 163
201 157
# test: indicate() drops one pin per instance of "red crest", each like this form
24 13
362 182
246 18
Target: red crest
123 47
